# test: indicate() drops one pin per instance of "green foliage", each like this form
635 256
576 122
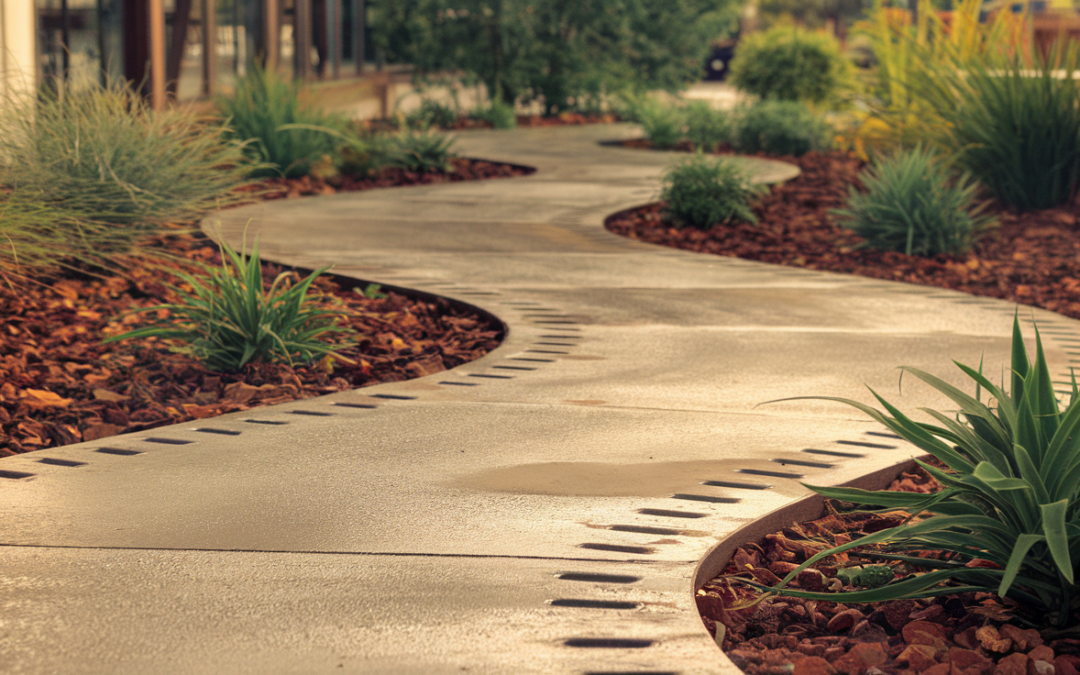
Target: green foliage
1010 493
911 205
780 128
558 50
812 13
421 151
661 122
702 193
705 127
501 115
101 154
432 113
789 63
229 319
365 154
1015 126
262 104
37 237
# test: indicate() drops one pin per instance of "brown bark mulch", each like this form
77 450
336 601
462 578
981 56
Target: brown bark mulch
1031 258
59 384
960 634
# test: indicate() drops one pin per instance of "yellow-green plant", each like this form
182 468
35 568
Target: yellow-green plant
228 319
1011 495
790 63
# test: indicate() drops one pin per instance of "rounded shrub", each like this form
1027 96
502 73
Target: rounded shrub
912 205
780 128
706 128
791 64
702 193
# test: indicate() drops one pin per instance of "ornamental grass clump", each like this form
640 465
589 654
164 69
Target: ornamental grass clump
702 193
102 154
662 123
1013 125
1008 518
912 205
706 128
229 319
423 151
780 128
283 137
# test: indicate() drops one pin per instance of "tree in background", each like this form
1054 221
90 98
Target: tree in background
555 50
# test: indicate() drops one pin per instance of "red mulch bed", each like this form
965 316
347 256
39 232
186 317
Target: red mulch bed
1032 258
60 385
961 634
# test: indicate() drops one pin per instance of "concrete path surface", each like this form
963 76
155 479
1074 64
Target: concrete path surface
540 510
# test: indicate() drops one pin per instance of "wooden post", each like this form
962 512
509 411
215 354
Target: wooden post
209 46
334 28
272 25
157 54
361 24
302 39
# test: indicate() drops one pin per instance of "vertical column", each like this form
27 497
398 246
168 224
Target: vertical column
302 39
19 49
334 28
209 46
157 54
360 21
272 26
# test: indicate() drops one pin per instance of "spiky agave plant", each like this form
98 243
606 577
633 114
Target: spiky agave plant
1010 496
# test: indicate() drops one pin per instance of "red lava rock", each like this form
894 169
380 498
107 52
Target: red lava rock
781 568
1066 664
898 614
1023 638
1040 667
939 669
967 638
929 614
813 665
1041 653
967 660
844 620
911 632
920 657
992 641
1013 664
1066 646
811 580
862 657
812 649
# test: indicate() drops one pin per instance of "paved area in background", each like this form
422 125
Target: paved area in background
540 510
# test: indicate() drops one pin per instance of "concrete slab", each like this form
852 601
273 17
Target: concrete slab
419 526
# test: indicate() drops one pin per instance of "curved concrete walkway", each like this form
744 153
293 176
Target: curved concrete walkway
540 510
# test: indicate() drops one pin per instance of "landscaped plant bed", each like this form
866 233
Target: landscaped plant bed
464 169
1031 258
961 634
59 384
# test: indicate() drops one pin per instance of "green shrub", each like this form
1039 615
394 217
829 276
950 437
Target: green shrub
421 151
1015 127
662 123
262 104
702 193
432 113
1011 495
780 128
706 128
363 155
791 64
911 205
229 320
500 115
101 154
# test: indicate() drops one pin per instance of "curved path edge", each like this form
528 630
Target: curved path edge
543 509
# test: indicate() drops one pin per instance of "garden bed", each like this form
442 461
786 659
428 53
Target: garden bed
960 634
59 384
1031 258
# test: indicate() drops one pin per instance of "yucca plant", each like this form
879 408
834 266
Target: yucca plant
701 193
421 150
228 319
1011 494
912 205
283 137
